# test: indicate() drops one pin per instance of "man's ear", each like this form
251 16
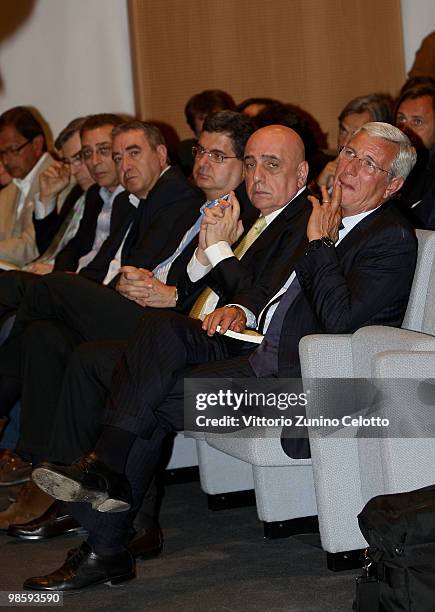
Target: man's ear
393 186
302 173
162 152
38 145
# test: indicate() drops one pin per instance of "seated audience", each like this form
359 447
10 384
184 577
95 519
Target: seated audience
83 311
363 280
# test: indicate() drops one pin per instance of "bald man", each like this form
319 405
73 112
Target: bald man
240 282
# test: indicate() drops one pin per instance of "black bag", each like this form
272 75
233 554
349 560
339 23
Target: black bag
400 563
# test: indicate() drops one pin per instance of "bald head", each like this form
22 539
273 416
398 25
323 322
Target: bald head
275 167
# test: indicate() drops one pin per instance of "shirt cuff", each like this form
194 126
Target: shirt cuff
196 270
251 320
218 252
43 210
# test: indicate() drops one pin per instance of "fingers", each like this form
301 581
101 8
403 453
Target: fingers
336 196
240 229
235 207
227 317
212 320
325 195
314 201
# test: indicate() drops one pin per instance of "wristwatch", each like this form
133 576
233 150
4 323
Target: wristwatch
323 242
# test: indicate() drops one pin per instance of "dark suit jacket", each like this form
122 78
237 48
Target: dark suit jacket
69 256
365 280
157 225
416 198
263 269
46 229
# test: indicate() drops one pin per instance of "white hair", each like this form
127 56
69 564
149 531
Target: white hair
406 157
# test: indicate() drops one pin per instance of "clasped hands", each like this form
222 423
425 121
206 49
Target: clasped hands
141 286
220 223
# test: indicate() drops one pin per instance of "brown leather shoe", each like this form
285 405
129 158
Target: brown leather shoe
146 543
31 503
13 470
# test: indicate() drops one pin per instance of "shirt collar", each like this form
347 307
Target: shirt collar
134 200
108 196
25 184
350 222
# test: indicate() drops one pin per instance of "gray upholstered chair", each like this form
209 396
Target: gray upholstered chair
347 472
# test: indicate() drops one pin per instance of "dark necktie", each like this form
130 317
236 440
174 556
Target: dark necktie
264 360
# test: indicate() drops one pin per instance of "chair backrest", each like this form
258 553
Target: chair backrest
420 313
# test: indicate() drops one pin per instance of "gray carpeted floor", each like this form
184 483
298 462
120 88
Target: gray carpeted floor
211 561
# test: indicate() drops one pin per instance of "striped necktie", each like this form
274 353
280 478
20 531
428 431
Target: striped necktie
242 247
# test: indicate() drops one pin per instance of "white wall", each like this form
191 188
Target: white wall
70 58
418 18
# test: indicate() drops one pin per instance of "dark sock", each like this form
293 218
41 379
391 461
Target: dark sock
113 447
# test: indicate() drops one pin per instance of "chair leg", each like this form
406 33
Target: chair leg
346 560
233 499
291 527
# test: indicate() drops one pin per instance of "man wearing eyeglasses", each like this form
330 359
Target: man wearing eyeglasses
415 115
351 276
60 203
23 151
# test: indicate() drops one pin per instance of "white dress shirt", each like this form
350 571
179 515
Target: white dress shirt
103 224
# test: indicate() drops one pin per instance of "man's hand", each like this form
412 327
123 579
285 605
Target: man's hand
227 227
211 217
325 218
134 283
140 286
53 180
160 295
228 317
40 268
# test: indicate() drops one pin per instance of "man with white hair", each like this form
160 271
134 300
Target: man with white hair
351 276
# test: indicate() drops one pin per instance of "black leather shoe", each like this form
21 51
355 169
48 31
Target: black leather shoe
50 525
88 480
83 568
146 543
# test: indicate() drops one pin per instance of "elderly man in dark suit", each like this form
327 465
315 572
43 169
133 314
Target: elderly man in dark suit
358 275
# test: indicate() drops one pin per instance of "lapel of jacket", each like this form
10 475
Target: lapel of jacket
275 228
356 235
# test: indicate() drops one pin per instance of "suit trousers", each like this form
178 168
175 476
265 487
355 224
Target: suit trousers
58 313
150 379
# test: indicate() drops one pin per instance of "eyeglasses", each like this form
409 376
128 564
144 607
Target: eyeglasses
74 160
13 151
214 156
367 165
101 151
